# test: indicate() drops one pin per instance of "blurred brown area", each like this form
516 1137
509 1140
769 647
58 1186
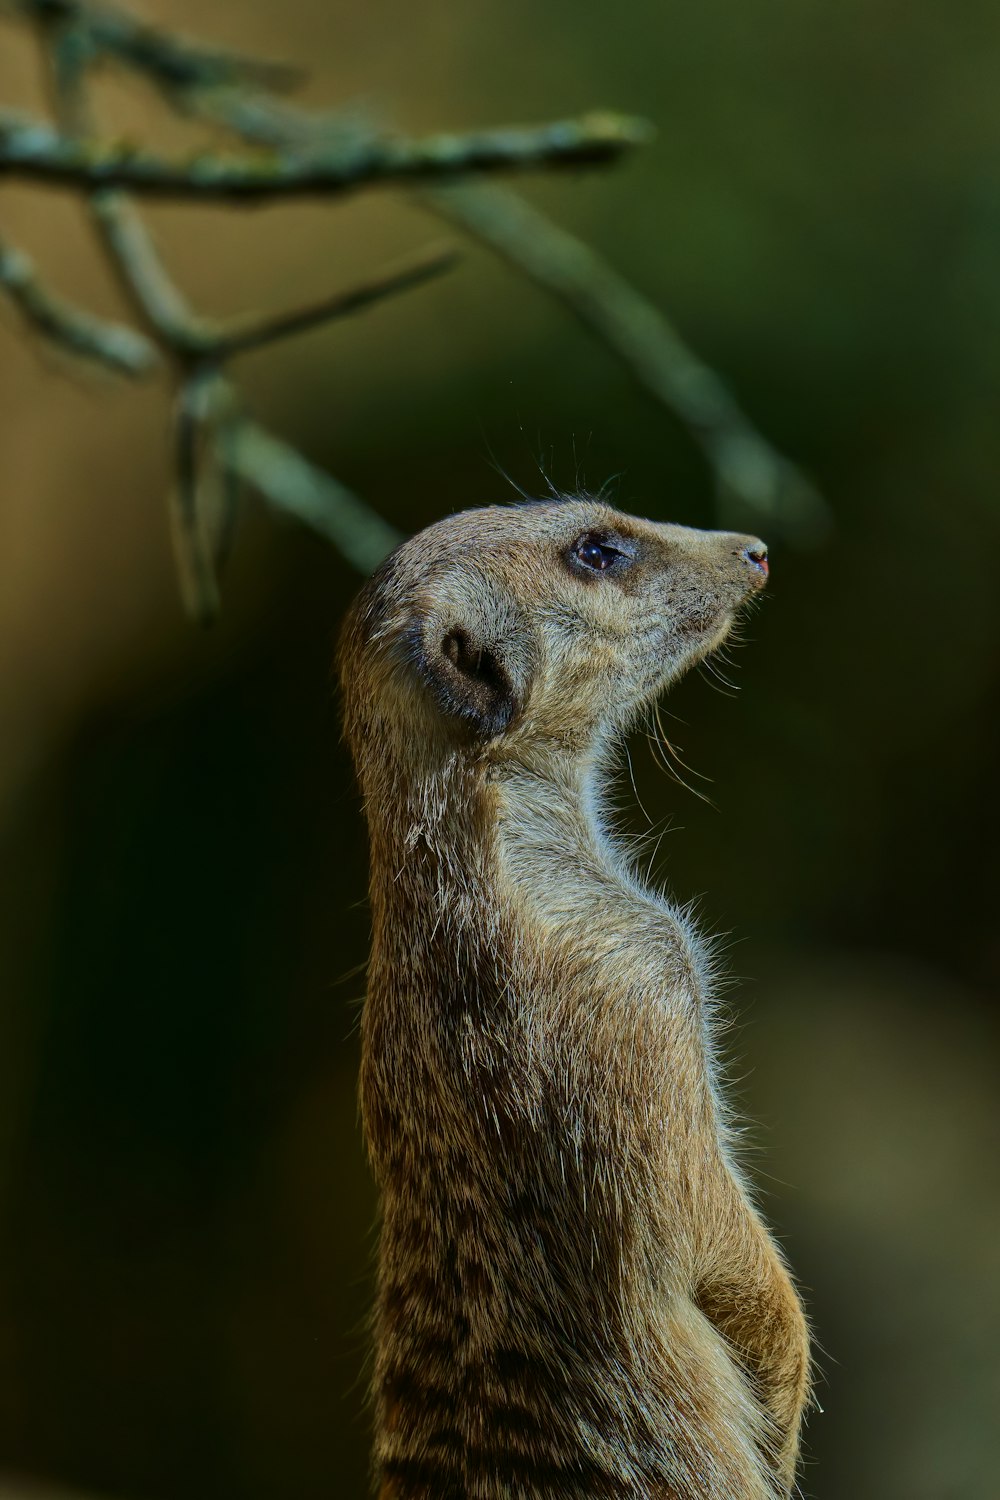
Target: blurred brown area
185 1213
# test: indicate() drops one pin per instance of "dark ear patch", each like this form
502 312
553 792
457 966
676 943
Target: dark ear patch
470 680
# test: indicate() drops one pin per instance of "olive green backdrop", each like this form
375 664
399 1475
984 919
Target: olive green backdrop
186 1219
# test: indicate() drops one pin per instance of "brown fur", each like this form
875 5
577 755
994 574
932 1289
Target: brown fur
576 1297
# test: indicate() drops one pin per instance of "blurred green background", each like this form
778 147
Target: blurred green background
185 1211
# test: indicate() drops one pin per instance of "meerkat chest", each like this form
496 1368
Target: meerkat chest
591 925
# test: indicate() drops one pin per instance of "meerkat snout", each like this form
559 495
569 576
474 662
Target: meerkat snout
756 553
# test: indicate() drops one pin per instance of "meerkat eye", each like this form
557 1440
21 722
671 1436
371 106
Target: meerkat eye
598 554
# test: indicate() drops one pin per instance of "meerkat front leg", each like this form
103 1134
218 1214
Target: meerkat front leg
747 1294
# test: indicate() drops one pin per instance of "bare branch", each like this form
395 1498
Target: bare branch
33 151
205 404
223 522
72 328
137 265
254 332
158 301
130 247
190 337
263 120
634 329
218 449
294 485
168 61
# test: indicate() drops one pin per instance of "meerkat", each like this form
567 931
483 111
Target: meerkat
576 1297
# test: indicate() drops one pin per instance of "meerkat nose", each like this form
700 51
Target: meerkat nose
756 553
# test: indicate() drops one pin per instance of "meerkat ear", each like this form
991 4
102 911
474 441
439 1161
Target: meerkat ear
472 672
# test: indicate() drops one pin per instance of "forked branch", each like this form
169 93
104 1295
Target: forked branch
288 152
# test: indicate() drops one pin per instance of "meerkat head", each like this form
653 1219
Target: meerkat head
547 623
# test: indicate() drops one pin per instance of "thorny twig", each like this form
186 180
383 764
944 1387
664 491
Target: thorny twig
219 447
110 344
33 151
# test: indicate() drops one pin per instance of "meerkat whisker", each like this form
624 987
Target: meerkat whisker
670 760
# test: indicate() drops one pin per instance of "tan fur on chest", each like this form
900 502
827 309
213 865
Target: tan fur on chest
575 1296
